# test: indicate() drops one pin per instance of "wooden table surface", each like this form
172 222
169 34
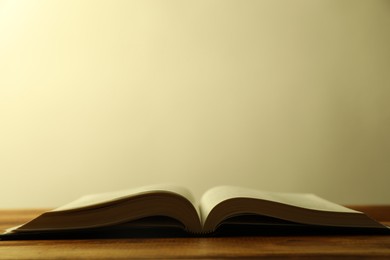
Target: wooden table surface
274 246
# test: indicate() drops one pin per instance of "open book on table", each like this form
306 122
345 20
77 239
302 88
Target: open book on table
172 206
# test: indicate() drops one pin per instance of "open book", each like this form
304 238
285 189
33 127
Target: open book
173 206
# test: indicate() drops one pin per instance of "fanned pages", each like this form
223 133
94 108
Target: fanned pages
174 206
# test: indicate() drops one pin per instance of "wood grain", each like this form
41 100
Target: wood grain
274 246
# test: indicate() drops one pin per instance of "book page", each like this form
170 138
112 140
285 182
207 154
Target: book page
100 198
219 194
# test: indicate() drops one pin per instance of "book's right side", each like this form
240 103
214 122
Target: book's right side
228 204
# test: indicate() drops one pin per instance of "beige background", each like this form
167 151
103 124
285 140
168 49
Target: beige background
276 95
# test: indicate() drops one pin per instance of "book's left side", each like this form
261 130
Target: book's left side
121 207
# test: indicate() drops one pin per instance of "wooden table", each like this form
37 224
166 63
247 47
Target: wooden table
277 246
